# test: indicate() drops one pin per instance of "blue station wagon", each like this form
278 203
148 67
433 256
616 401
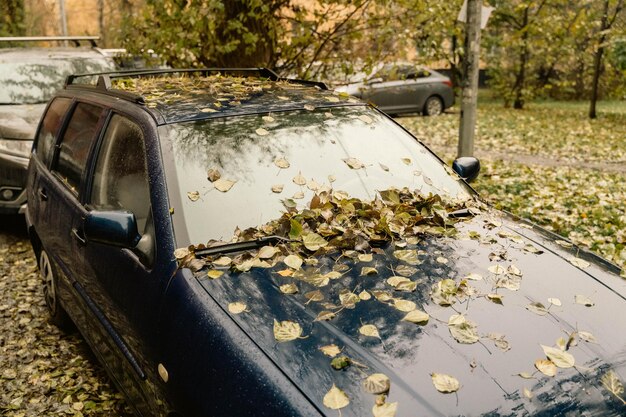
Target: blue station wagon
231 243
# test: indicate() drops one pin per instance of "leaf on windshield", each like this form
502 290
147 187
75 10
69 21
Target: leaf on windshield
299 179
368 270
462 330
222 261
385 409
278 188
580 263
444 292
325 316
288 289
332 178
384 167
537 308
369 330
473 277
314 296
336 399
583 300
496 298
267 252
546 367
405 270
409 256
281 163
559 357
417 317
286 331
268 119
445 383
404 305
364 295
262 132
527 393
353 163
223 185
313 241
407 161
587 337
496 269
193 195
298 196
613 384
366 119
555 301
237 307
213 175
365 257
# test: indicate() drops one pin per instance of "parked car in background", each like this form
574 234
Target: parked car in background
405 88
235 244
29 76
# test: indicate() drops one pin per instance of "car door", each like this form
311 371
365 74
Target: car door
121 282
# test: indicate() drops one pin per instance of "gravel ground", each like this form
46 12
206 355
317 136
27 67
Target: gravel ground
43 371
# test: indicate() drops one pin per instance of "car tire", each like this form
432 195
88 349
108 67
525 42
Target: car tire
58 315
433 106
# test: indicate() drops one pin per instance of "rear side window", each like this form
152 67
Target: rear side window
75 144
49 128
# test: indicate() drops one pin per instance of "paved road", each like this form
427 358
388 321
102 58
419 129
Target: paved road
43 371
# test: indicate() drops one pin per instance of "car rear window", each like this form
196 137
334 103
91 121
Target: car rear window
75 144
49 128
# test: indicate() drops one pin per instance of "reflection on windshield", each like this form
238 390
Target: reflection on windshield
30 83
352 149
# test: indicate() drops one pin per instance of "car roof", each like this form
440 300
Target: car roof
173 96
25 54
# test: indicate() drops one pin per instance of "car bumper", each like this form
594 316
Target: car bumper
13 171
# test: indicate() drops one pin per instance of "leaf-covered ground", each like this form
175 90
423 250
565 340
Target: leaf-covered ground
548 163
43 372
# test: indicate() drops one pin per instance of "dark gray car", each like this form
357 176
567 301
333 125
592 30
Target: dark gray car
28 79
405 88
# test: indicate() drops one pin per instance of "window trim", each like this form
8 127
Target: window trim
60 128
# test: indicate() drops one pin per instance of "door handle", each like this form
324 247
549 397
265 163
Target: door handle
78 236
43 194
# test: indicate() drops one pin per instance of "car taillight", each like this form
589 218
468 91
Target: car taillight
448 83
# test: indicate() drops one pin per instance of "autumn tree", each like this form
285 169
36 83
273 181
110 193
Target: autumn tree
12 18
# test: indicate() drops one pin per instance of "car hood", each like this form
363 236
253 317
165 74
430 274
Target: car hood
20 121
591 297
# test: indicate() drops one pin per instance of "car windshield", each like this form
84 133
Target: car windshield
36 82
284 157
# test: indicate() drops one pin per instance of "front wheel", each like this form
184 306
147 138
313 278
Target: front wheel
58 315
433 106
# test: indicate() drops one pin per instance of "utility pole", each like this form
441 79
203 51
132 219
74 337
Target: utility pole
63 20
470 80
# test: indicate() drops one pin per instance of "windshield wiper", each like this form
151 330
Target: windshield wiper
242 246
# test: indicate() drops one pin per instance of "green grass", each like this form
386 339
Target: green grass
548 163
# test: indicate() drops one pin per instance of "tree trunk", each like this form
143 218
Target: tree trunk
520 80
597 61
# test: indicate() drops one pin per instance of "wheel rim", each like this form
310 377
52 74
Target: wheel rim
49 291
434 107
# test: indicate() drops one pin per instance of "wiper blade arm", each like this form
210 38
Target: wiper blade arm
242 246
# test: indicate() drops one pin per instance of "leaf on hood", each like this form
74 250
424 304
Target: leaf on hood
474 277
385 409
532 249
407 161
286 331
298 196
336 399
340 362
368 270
213 175
299 179
558 357
444 292
405 270
587 337
365 257
309 107
612 383
404 305
293 261
181 253
496 298
314 296
281 163
580 263
288 289
268 119
262 132
364 295
537 308
237 307
366 119
353 163
330 350
527 393
407 255
193 195
546 367
555 301
513 270
462 330
377 383
313 241
441 260
406 286
500 341
222 261
583 300
526 375
496 269
325 316
214 273
348 299
445 383
369 330
384 167
285 272
223 185
278 188
417 317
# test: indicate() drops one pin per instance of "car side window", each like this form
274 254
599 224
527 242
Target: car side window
49 127
75 144
121 174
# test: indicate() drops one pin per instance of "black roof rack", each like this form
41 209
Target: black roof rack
103 83
75 39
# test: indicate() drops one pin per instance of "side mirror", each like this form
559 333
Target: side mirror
467 167
115 228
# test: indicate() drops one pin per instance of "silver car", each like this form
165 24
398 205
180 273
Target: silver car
405 88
